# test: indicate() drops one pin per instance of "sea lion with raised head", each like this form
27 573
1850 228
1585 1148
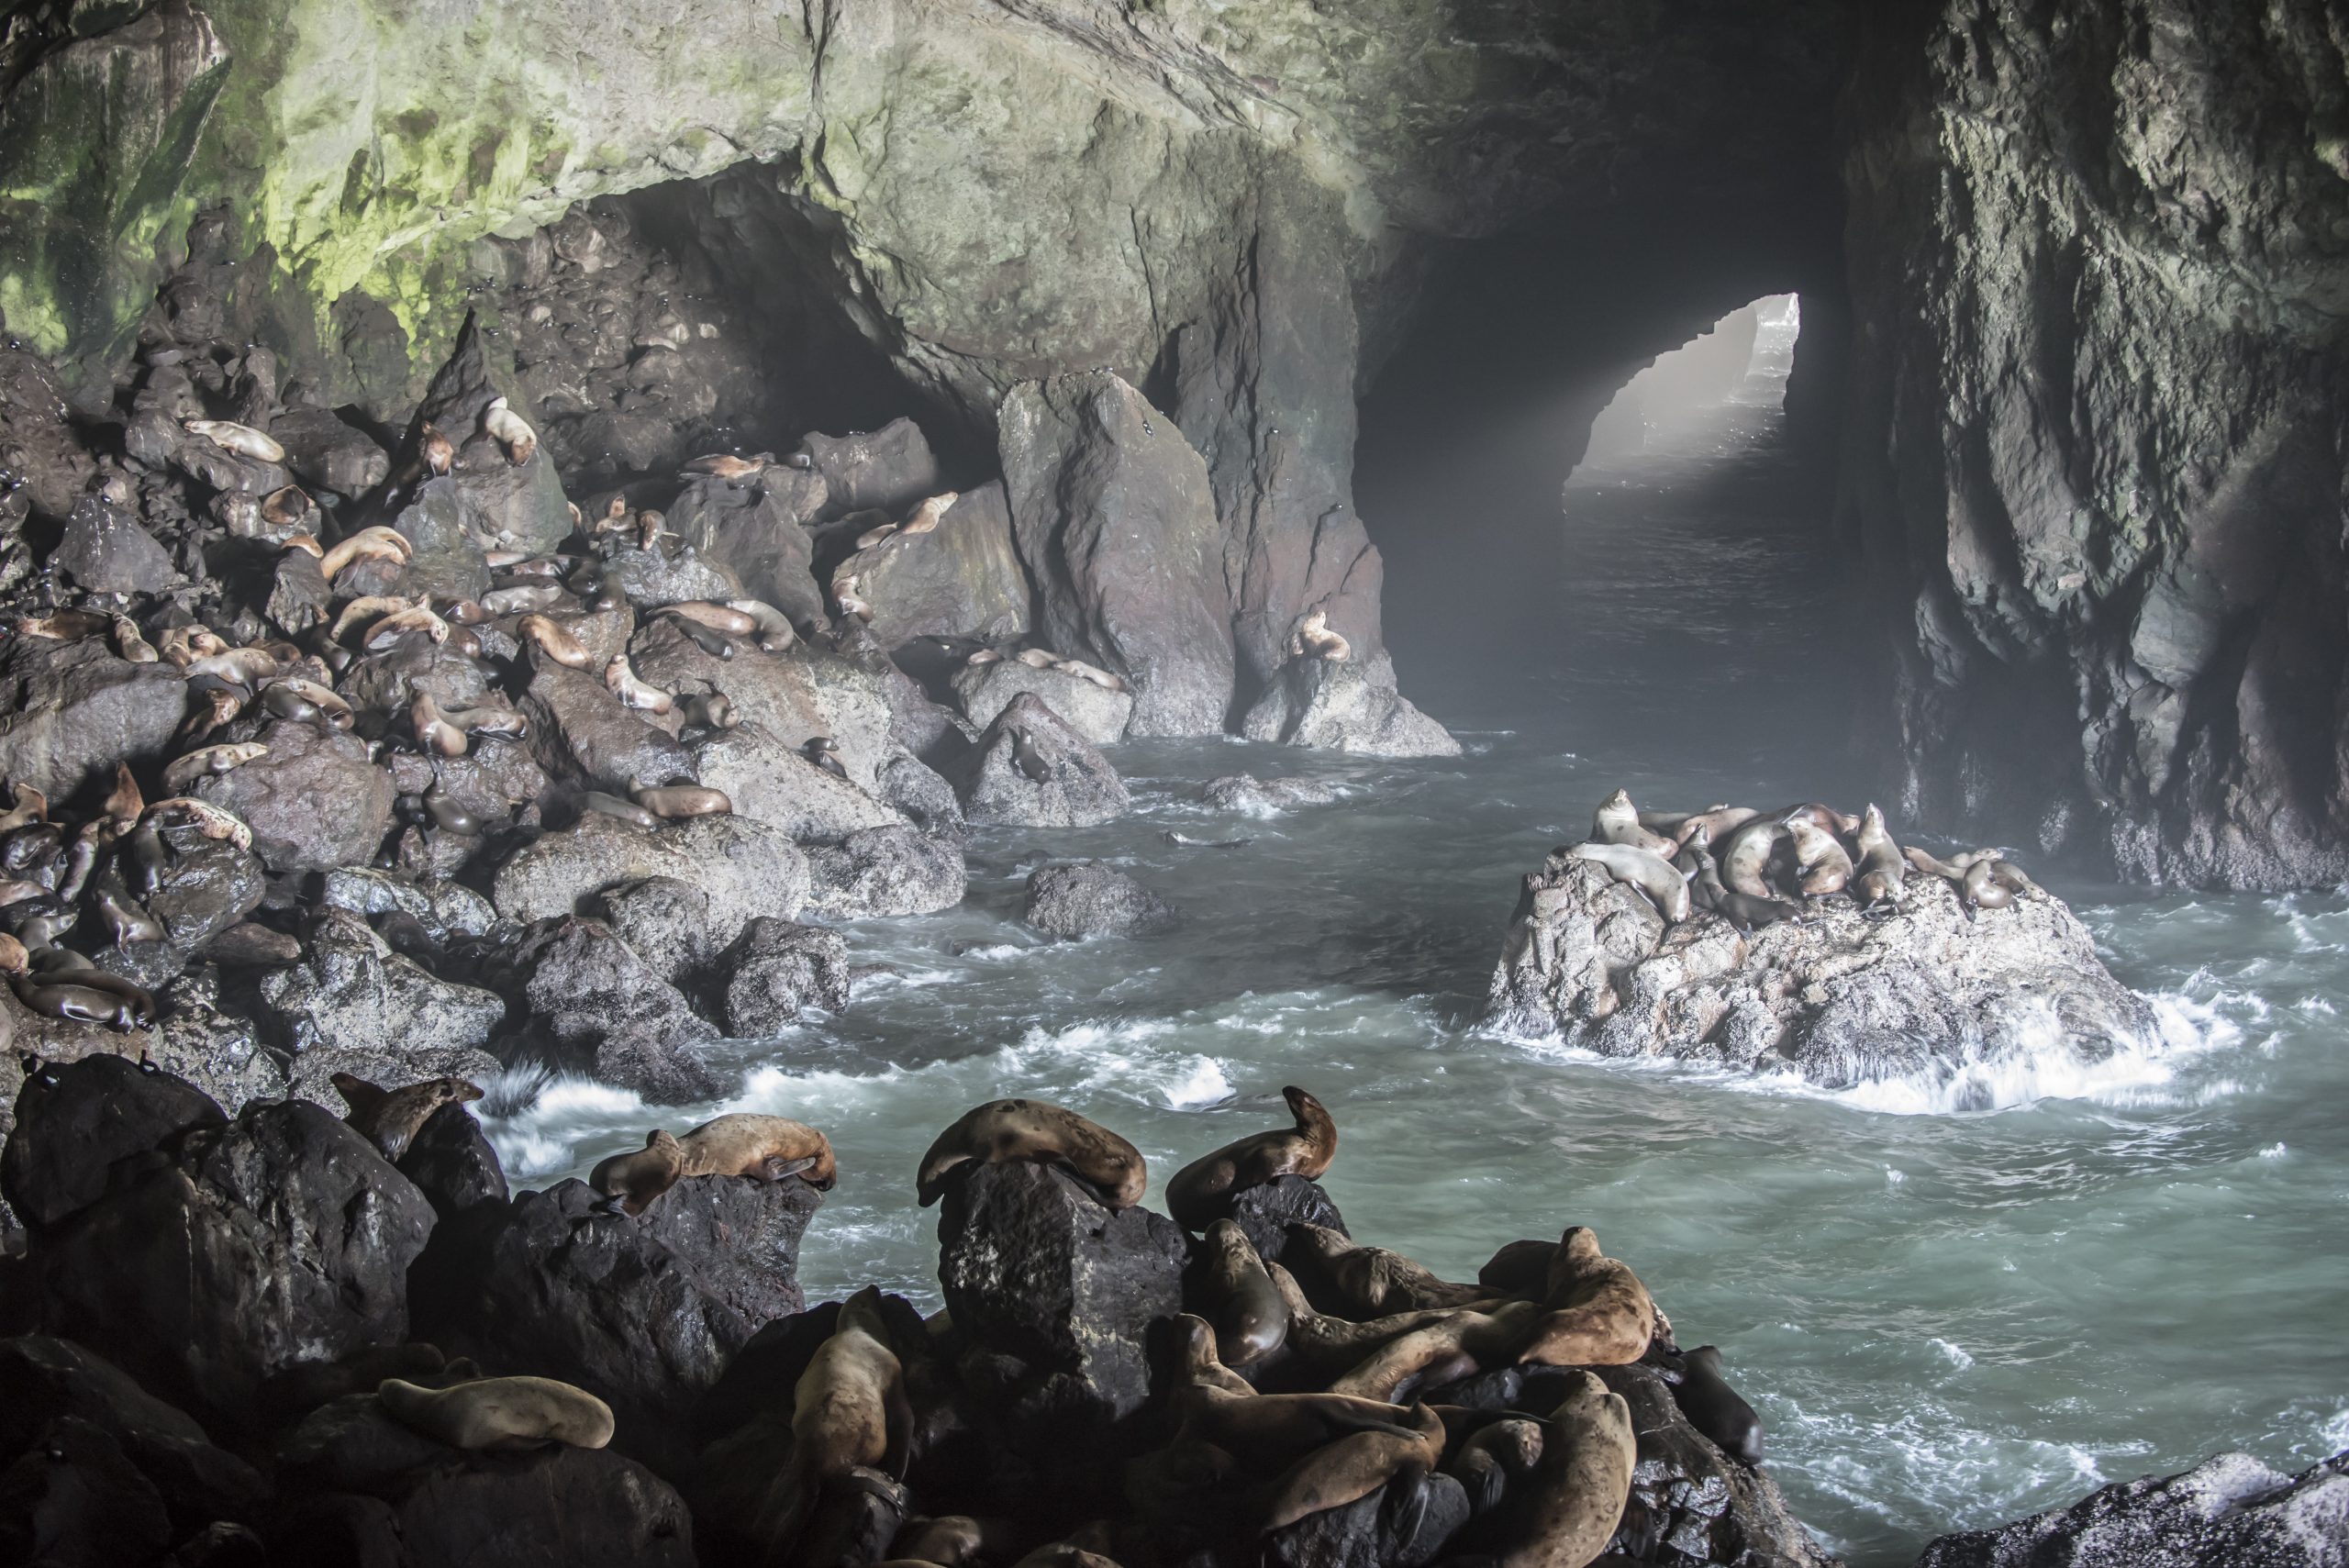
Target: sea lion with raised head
1644 869
390 1118
1202 1189
499 1413
553 641
1819 857
1004 1131
1567 1510
850 1411
620 680
825 753
1883 874
510 431
131 645
1028 757
1714 1408
1599 1314
1316 638
1617 821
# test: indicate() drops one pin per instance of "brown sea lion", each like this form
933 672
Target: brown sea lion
675 801
553 641
1374 1280
848 1411
390 1118
1351 1468
1201 1189
954 1541
758 1148
1332 1344
183 772
1644 869
1251 1319
1456 1345
1882 872
1567 1510
1494 1459
1597 1313
500 1413
1004 1131
1617 821
1825 865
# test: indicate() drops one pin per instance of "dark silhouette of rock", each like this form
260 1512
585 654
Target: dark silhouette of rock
76 1120
106 551
355 1006
326 453
74 1498
1089 899
890 468
1266 1212
1077 787
665 922
597 1008
453 1164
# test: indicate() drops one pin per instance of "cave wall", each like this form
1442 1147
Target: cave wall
2098 444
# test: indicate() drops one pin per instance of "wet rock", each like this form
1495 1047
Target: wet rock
314 803
453 1164
279 1237
755 530
1097 713
1924 994
772 782
1053 1295
2229 1509
747 869
1089 899
389 681
597 1008
580 730
960 579
665 922
69 711
441 527
645 1311
76 1121
779 969
795 696
106 551
1078 789
1265 797
918 791
1115 520
76 1499
446 909
327 454
890 468
895 870
662 576
1266 1212
1375 1531
352 1006
1349 706
216 1049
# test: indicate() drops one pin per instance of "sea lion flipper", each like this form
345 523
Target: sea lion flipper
898 1424
775 1170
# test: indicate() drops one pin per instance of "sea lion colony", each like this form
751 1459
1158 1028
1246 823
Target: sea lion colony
1755 868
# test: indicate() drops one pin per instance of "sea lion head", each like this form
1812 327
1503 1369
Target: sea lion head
1580 1244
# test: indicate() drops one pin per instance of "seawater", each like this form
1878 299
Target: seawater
1953 1301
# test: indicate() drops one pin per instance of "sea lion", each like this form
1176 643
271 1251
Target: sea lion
384 633
1642 868
131 645
328 702
626 811
1316 638
14 959
1028 758
1374 1280
82 1000
1883 874
434 449
433 733
553 641
1492 1459
510 431
1519 1268
725 466
390 1118
123 805
365 609
1825 817
772 627
377 543
825 753
1744 857
1003 1130
758 1148
1037 658
621 681
673 802
979 657
1617 821
1332 1344
66 626
1599 1312
1715 822
1355 1466
206 762
243 666
1567 1510
286 507
1092 674
504 723
182 645
448 815
204 817
850 1411
954 1541
708 710
844 594
651 527
523 597
709 639
499 1413
1714 1408
715 617
1826 867
1201 1190
242 440
26 806
125 921
1251 1319
874 535
1982 890
1456 1345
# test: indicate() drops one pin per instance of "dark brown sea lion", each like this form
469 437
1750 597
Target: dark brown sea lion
1004 1131
390 1118
1201 1189
758 1148
1374 1282
1251 1320
1567 1510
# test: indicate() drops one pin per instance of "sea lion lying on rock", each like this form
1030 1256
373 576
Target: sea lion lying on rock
500 1413
1203 1188
1048 1134
760 1148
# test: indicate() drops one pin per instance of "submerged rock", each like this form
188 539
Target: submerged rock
2229 1509
1843 998
1089 899
1264 797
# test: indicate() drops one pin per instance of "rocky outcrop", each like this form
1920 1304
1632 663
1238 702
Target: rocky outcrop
1094 711
746 868
1345 706
282 797
1116 522
780 969
960 579
69 711
1031 770
2094 416
597 1008
885 870
353 1005
1089 899
2229 1509
1924 994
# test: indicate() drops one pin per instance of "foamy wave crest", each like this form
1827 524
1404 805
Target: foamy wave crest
541 1135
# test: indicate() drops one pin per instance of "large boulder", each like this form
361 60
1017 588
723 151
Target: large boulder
644 1312
890 468
106 551
1253 797
769 781
652 578
2229 1509
521 505
315 802
895 870
203 887
778 970
1089 899
597 1008
327 453
353 1005
579 730
795 695
445 909
1690 1501
1924 993
756 528
960 579
1347 706
69 711
1116 522
250 1247
747 869
1094 711
1078 787
75 1122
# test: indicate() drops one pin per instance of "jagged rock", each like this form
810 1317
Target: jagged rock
205 886
656 577
1116 521
918 791
69 711
2229 1509
106 551
890 468
327 454
445 559
314 801
644 1311
389 681
1840 997
665 922
446 909
597 1008
1347 706
1371 1532
780 968
580 730
453 1164
218 1050
1265 1212
960 579
1053 1295
755 530
1265 797
772 782
278 1237
1079 788
44 1379
1095 712
75 1122
522 504
1089 899
895 870
795 695
1689 1501
353 1007
747 869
